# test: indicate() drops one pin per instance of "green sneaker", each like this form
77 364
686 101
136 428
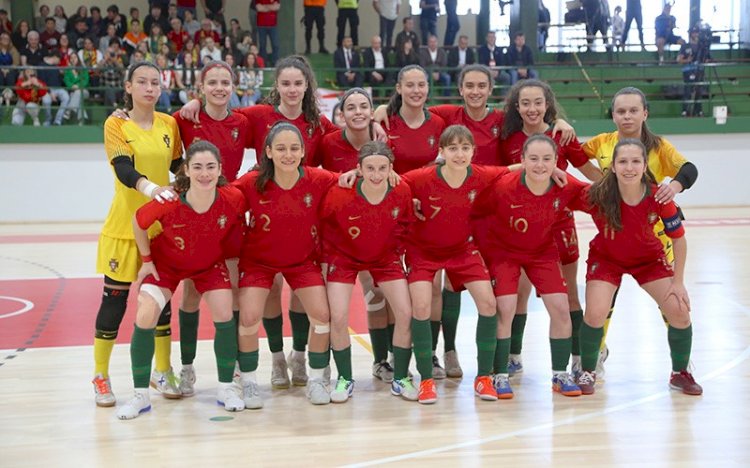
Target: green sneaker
343 391
405 388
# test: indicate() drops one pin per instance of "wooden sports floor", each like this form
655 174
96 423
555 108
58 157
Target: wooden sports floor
48 299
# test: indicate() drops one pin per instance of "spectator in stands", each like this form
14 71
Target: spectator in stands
30 90
231 48
9 57
190 24
633 12
337 116
81 13
40 21
250 81
61 19
65 50
428 19
117 20
243 46
618 25
79 33
172 12
177 37
258 58
192 50
56 92
235 30
95 23
49 37
135 15
597 21
5 24
107 38
187 77
156 17
156 39
453 25
664 26
144 49
491 55
167 81
544 19
315 16
521 57
134 36
137 57
234 98
112 73
407 33
90 57
77 81
375 62
462 54
214 10
406 55
252 16
692 55
167 52
388 11
347 13
205 31
347 62
184 6
19 36
209 51
435 61
267 28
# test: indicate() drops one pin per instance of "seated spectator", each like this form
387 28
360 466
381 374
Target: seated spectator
406 55
235 31
117 20
82 13
61 19
231 48
407 34
172 12
19 36
112 71
64 50
135 15
137 57
35 55
187 77
41 20
206 31
258 59
145 51
250 81
79 32
210 51
462 55
493 56
337 116
77 81
347 62
5 24
434 60
243 47
156 17
234 98
105 40
190 24
664 26
521 57
115 47
167 81
191 50
156 38
49 37
90 57
95 23
177 36
9 57
375 62
30 90
134 36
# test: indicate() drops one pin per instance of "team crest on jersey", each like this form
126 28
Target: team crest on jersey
652 217
495 130
394 212
594 266
556 204
308 199
167 141
331 268
314 231
431 140
222 221
251 223
472 195
113 265
309 132
235 133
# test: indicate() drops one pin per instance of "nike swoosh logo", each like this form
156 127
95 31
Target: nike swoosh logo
434 198
352 218
515 206
129 141
177 226
393 137
338 159
269 126
515 151
264 202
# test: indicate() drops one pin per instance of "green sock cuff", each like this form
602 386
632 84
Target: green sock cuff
379 341
248 361
451 301
517 328
188 317
274 332
590 339
343 360
486 344
401 356
576 319
680 346
451 311
391 327
141 355
434 333
300 329
560 348
318 360
225 349
502 351
188 335
236 316
422 339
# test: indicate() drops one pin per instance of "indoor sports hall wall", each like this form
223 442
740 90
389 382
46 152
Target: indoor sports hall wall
69 183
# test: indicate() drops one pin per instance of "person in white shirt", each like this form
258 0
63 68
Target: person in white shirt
618 26
388 11
374 61
210 52
435 61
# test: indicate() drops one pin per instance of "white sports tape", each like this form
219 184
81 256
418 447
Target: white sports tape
322 328
369 295
377 306
155 292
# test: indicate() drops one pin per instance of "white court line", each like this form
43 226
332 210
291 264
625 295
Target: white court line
27 306
744 355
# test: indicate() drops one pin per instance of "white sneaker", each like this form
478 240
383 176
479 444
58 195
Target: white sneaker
251 395
515 365
575 366
343 391
383 371
103 395
298 365
317 392
452 366
603 355
140 403
230 397
187 380
166 383
437 370
405 389
279 372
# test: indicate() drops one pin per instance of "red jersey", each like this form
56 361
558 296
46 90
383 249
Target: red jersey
361 231
521 223
202 34
231 136
262 117
486 131
511 150
414 147
447 230
636 243
283 228
178 39
267 19
190 241
335 153
32 93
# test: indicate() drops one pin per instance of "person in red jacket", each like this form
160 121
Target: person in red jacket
30 90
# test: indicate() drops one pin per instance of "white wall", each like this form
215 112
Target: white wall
42 183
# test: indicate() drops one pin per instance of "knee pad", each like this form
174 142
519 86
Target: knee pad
248 331
165 318
320 328
111 312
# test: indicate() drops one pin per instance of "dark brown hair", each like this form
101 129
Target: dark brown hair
394 104
182 181
265 166
129 77
476 67
649 140
309 101
456 133
513 120
542 138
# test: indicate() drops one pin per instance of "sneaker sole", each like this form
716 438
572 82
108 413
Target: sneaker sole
106 404
568 394
170 396
231 410
485 397
427 401
680 389
140 412
504 396
299 383
585 392
454 374
280 386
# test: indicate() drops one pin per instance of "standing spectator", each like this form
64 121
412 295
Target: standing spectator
107 38
252 16
184 6
521 57
406 55
250 81
172 12
374 61
492 56
177 37
40 21
61 19
633 12
453 25
434 60
5 24
618 25
664 26
204 32
235 31
388 11
30 90
118 20
428 18
134 36
315 14
95 23
460 56
692 55
77 82
190 24
19 36
544 19
9 57
267 21
209 51
407 34
187 77
49 36
597 20
112 72
347 12
156 17
135 15
214 10
346 61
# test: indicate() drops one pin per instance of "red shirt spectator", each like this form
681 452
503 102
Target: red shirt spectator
29 88
267 19
205 31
